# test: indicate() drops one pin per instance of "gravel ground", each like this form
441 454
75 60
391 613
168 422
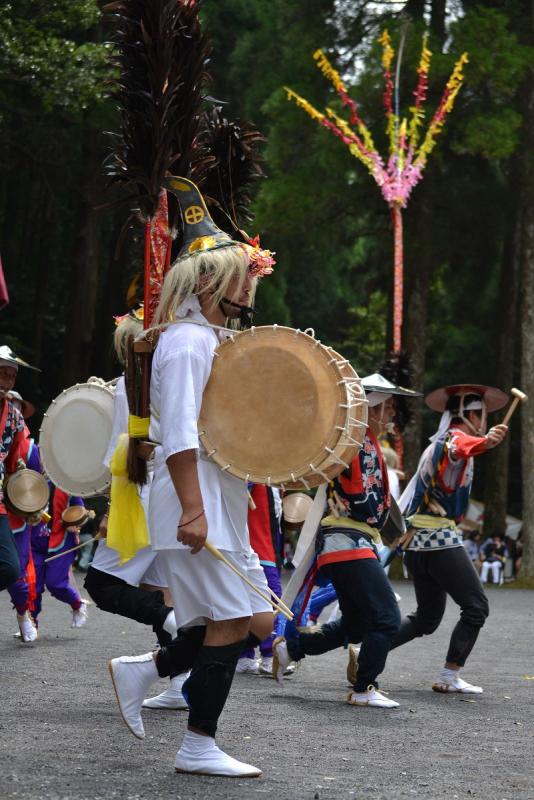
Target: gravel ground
61 736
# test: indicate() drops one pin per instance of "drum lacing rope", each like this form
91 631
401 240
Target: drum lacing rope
358 422
319 472
223 469
336 458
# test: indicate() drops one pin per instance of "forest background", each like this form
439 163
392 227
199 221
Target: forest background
469 227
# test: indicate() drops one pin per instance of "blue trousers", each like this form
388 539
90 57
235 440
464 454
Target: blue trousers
369 614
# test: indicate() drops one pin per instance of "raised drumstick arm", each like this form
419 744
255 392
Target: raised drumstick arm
519 397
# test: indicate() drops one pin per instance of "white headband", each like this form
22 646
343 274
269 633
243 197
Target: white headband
5 363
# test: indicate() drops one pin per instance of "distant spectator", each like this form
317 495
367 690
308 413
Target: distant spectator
392 462
493 554
472 547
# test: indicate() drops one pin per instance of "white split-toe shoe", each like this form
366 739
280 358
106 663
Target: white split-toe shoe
132 677
172 698
371 697
448 680
28 631
214 762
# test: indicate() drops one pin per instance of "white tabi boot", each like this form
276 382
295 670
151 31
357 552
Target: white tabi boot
199 755
371 697
172 698
131 677
28 631
449 680
79 615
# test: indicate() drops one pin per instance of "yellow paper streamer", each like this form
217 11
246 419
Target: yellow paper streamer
453 85
329 72
302 103
388 53
127 528
138 426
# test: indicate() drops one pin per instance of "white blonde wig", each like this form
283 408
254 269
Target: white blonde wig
128 326
208 271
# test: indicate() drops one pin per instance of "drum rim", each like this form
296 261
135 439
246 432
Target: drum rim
312 480
72 488
321 456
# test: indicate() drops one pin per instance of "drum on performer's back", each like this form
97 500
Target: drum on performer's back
282 409
75 435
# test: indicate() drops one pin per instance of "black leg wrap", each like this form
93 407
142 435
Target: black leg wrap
180 655
118 597
207 688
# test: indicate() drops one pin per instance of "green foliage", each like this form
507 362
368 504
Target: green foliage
490 120
44 51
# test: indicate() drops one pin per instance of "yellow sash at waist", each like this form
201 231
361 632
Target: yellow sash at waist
429 522
352 524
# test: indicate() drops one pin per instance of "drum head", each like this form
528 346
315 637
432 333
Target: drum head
271 405
74 439
27 491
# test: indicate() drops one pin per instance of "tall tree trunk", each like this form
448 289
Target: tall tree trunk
527 361
497 466
85 270
437 20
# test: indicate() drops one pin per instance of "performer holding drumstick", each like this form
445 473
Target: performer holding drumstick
434 501
212 281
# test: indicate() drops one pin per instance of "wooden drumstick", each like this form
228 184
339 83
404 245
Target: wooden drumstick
519 397
279 602
217 554
72 549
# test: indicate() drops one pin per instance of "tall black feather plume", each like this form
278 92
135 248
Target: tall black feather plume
225 166
161 54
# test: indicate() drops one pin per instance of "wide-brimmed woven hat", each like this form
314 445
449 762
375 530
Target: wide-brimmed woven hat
493 398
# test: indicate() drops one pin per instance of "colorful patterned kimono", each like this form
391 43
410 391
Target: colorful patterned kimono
444 480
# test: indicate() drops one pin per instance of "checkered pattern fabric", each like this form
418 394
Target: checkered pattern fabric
440 538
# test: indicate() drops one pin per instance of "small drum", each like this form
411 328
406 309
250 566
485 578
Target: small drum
295 506
75 435
26 493
279 406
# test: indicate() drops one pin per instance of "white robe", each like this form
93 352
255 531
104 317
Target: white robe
180 371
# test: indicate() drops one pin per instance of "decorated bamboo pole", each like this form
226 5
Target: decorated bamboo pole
398 277
408 154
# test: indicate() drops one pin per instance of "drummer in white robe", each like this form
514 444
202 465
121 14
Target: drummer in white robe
137 587
191 499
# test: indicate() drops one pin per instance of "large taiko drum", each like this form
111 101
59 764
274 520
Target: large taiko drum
75 435
279 407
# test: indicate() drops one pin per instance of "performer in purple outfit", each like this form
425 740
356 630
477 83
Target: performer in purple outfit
56 574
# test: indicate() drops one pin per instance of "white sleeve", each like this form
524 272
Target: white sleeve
120 419
183 377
